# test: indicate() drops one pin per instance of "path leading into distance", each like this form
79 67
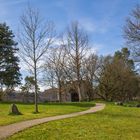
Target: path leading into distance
8 130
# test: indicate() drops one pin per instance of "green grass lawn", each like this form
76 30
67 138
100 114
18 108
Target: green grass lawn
113 123
48 109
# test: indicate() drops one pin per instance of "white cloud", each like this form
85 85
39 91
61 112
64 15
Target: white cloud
91 25
96 47
88 25
57 42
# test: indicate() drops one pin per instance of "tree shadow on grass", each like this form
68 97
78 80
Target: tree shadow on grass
76 104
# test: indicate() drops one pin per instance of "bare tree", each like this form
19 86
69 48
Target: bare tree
55 63
35 38
132 31
100 68
49 75
76 47
91 65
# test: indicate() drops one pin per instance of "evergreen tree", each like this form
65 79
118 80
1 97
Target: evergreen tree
124 54
9 68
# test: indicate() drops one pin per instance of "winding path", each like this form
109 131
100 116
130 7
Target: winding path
8 130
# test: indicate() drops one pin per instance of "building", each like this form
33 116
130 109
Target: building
69 92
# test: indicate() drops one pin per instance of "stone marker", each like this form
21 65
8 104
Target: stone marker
14 110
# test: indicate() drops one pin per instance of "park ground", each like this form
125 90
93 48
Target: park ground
112 123
45 110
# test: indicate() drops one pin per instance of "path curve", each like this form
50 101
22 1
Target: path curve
8 130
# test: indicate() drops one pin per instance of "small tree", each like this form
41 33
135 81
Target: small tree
54 67
29 84
35 39
90 68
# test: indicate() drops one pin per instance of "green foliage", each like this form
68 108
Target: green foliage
118 81
124 55
9 68
113 123
29 84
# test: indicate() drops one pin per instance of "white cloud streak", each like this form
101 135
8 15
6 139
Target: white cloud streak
95 26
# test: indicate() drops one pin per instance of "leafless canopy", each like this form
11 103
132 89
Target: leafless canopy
76 47
132 30
35 37
54 67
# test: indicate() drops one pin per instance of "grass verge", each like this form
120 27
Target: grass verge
45 110
113 123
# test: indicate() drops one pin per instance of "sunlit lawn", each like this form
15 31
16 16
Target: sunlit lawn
113 123
48 109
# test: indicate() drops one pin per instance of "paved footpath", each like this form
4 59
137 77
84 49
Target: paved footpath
8 130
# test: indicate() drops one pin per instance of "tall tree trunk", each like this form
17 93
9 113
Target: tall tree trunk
36 90
79 92
59 91
32 41
1 87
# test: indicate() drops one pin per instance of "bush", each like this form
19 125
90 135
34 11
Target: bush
138 105
119 103
1 94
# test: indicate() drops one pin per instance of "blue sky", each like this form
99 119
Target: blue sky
102 19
